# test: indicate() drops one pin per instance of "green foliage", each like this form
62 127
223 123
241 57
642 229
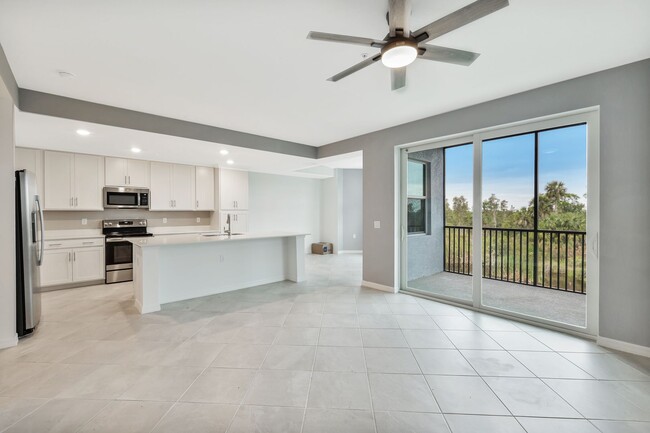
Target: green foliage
558 209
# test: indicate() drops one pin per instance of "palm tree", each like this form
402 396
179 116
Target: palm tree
556 193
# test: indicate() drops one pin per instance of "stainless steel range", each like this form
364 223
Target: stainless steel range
119 251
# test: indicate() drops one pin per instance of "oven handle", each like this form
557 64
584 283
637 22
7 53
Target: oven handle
114 239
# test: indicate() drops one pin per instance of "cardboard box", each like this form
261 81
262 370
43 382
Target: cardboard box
322 248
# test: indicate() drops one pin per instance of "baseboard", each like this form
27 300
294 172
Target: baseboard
350 252
376 286
9 342
624 346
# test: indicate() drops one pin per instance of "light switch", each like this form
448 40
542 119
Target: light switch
354 235
377 224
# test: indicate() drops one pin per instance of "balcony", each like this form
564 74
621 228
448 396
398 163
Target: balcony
534 272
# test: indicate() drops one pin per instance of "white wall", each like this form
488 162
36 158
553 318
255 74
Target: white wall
285 203
7 242
351 198
330 210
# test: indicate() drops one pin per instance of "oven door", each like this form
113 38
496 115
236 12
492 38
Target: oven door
119 260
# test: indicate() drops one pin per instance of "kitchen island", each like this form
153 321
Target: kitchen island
179 267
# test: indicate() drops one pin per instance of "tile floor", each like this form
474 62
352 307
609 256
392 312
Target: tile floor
322 356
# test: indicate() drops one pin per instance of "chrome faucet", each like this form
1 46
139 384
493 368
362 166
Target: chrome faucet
229 230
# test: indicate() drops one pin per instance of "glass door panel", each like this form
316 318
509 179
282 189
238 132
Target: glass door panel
439 222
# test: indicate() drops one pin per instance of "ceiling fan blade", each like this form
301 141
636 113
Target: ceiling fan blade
331 37
399 12
447 55
461 17
369 61
397 78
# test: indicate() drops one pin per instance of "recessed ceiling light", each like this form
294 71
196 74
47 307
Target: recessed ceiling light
223 152
83 132
136 150
230 162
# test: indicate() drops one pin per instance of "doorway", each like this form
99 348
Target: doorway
506 220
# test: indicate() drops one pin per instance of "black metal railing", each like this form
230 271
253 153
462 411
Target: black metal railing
553 259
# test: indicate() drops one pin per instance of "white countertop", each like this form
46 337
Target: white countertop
188 239
55 235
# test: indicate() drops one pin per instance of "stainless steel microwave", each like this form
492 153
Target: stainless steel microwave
126 198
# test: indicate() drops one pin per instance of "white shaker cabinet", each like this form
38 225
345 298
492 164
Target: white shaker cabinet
88 264
56 268
73 181
204 188
72 261
31 160
233 190
172 186
127 172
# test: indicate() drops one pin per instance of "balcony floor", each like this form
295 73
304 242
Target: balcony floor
550 304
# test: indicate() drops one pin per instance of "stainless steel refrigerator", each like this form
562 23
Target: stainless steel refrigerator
29 252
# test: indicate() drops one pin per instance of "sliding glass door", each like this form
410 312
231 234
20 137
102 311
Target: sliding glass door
506 220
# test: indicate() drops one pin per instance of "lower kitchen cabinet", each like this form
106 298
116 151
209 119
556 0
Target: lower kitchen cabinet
64 263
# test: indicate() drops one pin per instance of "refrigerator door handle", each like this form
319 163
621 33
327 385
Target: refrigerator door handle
39 258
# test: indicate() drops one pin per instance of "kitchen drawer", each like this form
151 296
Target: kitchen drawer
73 243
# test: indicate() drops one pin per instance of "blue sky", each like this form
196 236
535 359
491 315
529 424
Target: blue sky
508 165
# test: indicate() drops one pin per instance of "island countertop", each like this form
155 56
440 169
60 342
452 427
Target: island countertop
208 237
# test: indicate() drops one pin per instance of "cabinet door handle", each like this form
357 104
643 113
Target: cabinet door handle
74 256
76 201
88 243
125 180
69 257
129 179
54 245
197 204
71 202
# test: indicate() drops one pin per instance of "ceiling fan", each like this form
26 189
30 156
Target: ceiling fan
401 47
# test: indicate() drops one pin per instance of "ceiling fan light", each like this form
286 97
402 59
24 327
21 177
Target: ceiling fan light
399 54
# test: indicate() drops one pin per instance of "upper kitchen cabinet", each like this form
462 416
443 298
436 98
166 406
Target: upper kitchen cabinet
172 186
73 181
204 188
233 190
31 160
127 172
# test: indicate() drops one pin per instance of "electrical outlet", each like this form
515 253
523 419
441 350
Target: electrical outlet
198 219
164 220
354 235
84 221
221 259
377 224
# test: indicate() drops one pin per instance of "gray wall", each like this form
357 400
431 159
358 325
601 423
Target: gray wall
425 251
7 192
623 95
351 209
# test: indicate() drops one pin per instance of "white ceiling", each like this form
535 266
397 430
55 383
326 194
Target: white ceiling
45 132
247 66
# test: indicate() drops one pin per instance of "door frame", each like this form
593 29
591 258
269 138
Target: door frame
591 117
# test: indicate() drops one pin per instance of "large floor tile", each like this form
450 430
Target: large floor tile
279 388
378 321
49 383
255 335
483 424
550 365
401 392
59 416
281 357
389 360
336 390
412 321
336 420
510 340
241 356
411 422
443 361
556 425
196 418
298 336
472 340
14 409
334 320
340 337
267 419
162 383
127 417
565 343
495 363
605 399
192 354
465 395
455 323
106 382
427 339
339 359
607 426
383 338
605 366
220 385
530 397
